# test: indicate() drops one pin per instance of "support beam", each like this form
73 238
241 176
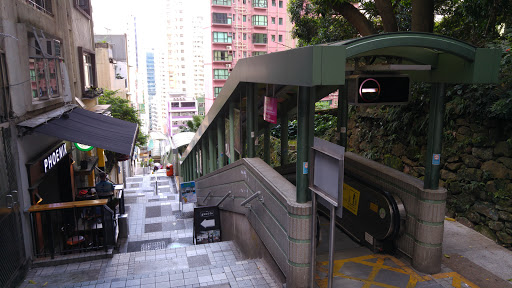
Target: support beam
204 154
220 141
342 123
266 144
211 153
231 132
305 118
194 164
435 137
249 120
284 135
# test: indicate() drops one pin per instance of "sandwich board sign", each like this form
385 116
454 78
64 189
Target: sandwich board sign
206 225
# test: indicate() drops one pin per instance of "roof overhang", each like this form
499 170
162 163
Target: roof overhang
86 127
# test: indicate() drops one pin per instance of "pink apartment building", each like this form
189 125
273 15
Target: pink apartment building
240 29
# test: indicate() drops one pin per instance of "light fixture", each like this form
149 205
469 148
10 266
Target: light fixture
40 198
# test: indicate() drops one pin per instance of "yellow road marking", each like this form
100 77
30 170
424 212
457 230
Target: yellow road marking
414 277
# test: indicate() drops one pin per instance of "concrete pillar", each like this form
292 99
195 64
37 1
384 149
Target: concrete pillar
342 116
231 132
211 153
284 135
250 121
305 118
221 135
435 137
266 144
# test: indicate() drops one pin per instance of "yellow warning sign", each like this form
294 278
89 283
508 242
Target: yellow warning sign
350 198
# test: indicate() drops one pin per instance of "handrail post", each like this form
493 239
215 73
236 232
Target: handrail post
223 198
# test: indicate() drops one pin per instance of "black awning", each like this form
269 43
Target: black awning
86 127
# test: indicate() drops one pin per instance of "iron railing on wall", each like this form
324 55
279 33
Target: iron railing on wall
72 227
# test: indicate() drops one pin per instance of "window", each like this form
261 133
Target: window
222 56
259 38
259 3
44 68
175 104
220 18
244 18
188 104
273 37
221 37
216 91
84 6
220 74
42 5
273 20
274 3
245 36
222 2
280 38
87 63
259 20
280 21
280 4
257 53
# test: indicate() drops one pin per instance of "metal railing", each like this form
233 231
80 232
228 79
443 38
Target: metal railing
41 5
72 227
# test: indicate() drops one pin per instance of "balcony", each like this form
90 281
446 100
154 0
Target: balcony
221 3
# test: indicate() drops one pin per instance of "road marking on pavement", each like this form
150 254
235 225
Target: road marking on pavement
402 268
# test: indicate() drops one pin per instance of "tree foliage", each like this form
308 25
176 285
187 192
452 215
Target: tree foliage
193 125
121 109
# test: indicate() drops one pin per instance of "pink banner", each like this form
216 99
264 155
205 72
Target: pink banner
270 110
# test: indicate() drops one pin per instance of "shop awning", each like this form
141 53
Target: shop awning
86 127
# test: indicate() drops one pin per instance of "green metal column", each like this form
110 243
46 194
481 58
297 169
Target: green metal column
305 117
211 153
221 135
256 118
435 137
185 169
231 132
204 155
266 144
194 164
342 123
284 135
249 120
190 168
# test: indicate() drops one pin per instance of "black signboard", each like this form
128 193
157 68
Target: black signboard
206 225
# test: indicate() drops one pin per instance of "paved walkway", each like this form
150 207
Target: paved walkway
159 251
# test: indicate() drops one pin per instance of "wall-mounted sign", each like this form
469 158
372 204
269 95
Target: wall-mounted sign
54 157
83 147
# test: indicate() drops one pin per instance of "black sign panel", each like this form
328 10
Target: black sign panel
207 225
379 89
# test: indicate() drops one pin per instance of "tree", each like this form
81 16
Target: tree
193 125
121 109
323 21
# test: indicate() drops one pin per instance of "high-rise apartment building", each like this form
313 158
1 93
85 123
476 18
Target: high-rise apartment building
240 29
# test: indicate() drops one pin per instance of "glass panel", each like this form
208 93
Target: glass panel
259 38
41 65
222 56
220 73
33 78
53 78
259 20
216 91
257 53
222 2
259 3
220 18
221 37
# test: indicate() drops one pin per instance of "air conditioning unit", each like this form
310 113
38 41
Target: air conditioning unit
230 52
228 65
229 47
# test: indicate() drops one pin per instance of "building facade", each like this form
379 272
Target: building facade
241 29
181 109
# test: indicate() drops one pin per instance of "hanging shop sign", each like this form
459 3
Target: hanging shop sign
83 147
54 157
270 110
